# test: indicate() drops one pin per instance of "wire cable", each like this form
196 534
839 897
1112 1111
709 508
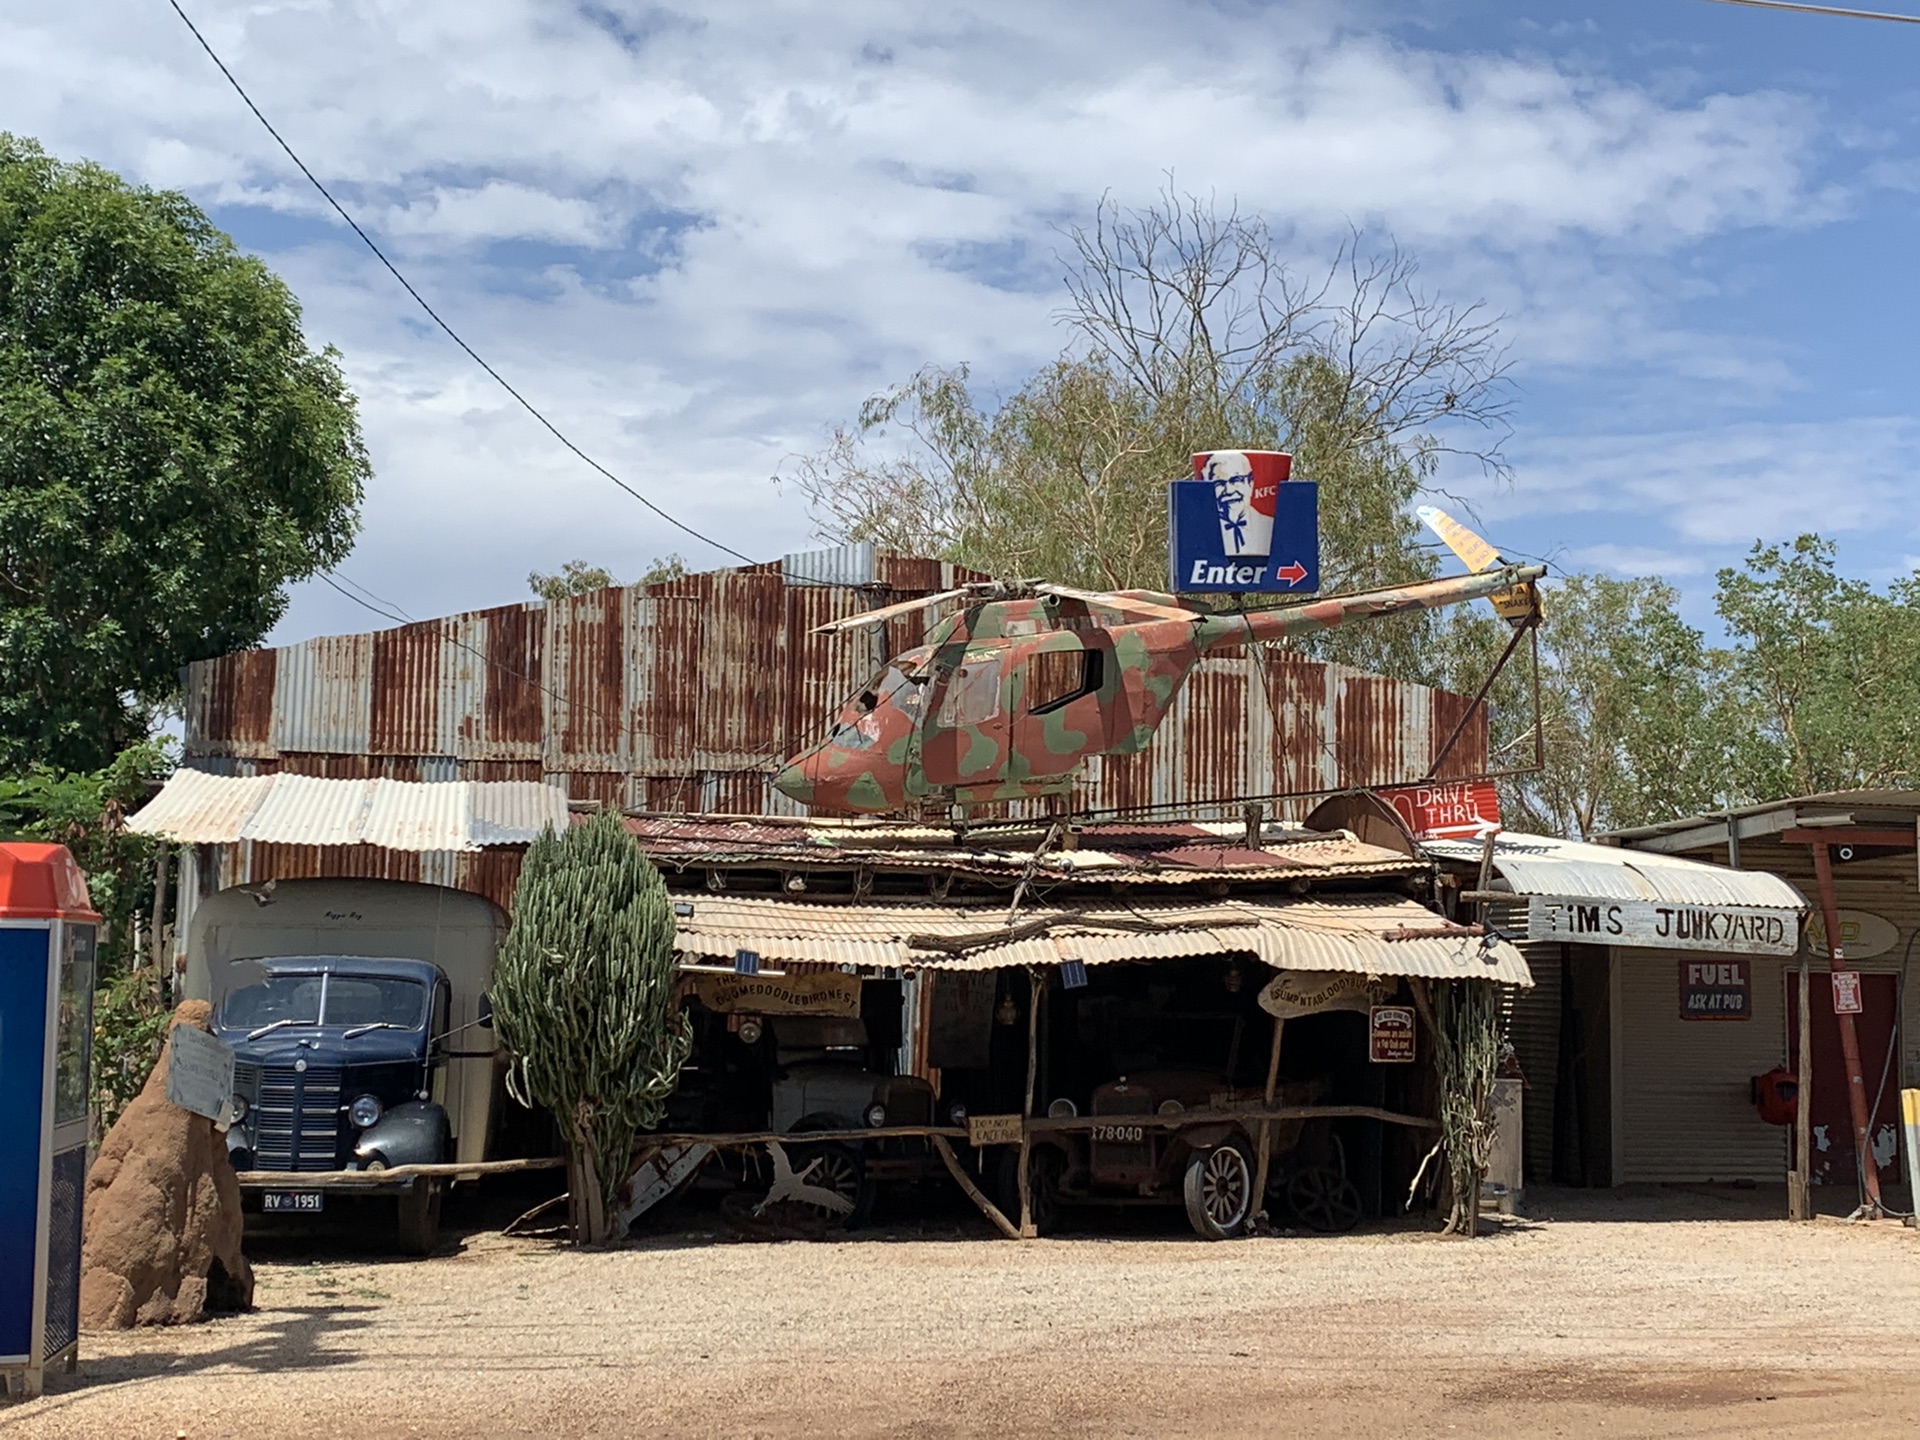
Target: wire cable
1823 10
433 314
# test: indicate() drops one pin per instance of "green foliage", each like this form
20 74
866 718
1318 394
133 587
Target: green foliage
576 577
129 1026
1635 728
171 455
1824 676
583 998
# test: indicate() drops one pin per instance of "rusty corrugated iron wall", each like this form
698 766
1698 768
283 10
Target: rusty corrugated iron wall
682 696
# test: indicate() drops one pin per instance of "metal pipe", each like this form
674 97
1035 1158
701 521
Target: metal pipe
1849 1037
1478 700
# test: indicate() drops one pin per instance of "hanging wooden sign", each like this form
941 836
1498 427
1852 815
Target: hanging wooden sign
821 992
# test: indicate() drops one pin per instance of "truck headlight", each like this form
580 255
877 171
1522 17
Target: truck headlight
876 1114
239 1105
1062 1109
957 1113
365 1110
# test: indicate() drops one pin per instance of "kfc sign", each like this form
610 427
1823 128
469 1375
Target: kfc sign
1462 810
1241 523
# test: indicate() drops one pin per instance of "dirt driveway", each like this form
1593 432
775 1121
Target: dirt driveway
1586 1323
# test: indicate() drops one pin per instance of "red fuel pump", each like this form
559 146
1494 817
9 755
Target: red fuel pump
1776 1095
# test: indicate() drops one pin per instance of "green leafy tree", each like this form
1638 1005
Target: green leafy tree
172 454
577 577
1634 729
1825 671
583 998
1189 333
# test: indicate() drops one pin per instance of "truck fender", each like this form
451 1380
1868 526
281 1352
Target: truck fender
1206 1137
414 1133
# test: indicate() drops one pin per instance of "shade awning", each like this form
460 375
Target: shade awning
1597 894
1361 935
198 808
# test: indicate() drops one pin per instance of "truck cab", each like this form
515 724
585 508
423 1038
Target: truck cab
358 1015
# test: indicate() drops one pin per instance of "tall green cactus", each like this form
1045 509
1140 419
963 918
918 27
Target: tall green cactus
583 999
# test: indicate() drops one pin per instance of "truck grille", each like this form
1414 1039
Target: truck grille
298 1119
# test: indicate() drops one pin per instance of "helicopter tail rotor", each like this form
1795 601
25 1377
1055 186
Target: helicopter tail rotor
1516 604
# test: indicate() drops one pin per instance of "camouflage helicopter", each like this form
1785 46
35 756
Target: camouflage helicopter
1011 693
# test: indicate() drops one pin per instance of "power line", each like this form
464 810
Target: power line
1823 10
433 314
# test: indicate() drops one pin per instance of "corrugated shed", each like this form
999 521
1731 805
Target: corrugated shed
1370 935
683 696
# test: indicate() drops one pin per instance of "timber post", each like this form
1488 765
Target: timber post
1028 1231
1264 1143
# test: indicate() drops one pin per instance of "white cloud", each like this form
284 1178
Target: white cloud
788 197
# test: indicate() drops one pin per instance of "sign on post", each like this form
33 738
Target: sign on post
1390 1035
1663 925
200 1073
1846 993
814 993
994 1130
1464 810
1716 989
1241 524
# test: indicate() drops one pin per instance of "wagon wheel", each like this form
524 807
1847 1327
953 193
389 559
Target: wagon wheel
1324 1200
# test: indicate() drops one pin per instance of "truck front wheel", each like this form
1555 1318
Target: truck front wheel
420 1217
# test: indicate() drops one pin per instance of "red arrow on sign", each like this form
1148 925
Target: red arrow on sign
1293 574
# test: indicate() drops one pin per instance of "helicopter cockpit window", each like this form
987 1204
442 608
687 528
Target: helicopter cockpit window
892 688
973 695
1055 677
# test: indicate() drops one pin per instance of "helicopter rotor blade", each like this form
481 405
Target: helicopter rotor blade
1117 602
887 612
1516 604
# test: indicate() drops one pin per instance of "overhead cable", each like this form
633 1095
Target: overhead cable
1823 10
433 314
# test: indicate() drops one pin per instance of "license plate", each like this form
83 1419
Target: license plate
303 1201
1124 1134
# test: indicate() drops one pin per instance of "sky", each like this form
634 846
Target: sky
699 237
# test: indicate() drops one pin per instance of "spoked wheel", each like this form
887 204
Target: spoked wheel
1219 1191
1324 1200
841 1171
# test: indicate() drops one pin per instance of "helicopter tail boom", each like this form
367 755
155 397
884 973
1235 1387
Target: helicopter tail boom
1282 622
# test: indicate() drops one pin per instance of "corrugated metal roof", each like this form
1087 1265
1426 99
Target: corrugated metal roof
198 808
1178 853
1367 935
1543 865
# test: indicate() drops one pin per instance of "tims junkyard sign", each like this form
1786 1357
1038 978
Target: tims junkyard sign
1663 925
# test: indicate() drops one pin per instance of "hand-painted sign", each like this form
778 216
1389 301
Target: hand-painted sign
1716 989
1293 993
1463 810
1846 993
824 992
200 1073
1390 1035
1664 925
1240 524
994 1130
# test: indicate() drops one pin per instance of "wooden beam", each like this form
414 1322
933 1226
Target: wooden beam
1835 835
1028 1231
1264 1148
973 1191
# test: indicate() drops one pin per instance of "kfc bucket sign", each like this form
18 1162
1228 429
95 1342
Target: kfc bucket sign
1464 810
1243 523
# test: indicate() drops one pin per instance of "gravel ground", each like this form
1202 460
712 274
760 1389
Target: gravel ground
1605 1314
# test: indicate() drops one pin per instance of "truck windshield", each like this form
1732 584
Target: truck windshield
345 1000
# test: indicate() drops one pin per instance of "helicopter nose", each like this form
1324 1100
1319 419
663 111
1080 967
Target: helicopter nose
795 782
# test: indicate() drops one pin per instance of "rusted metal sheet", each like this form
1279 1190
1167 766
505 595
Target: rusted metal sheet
230 702
678 696
323 696
405 702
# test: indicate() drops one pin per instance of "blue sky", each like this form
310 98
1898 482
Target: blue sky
700 237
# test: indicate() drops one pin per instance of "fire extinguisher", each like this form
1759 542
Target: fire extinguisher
1776 1095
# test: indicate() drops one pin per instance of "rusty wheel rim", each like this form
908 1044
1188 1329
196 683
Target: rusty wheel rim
1225 1187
